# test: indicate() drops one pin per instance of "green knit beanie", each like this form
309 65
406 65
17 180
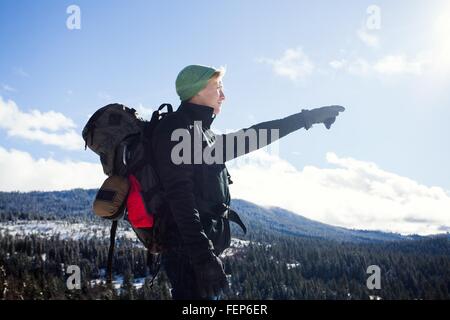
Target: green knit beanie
192 79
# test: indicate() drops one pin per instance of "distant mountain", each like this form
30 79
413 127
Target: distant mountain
76 204
282 221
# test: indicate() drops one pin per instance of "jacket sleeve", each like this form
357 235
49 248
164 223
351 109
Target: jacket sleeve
178 186
241 142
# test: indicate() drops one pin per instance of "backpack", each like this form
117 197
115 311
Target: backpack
132 190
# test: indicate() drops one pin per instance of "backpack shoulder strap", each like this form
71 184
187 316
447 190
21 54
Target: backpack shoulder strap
112 240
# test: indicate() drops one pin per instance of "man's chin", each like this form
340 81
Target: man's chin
217 109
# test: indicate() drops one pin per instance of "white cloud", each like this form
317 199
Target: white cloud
368 38
50 128
338 64
355 194
21 172
388 65
104 96
144 112
359 67
294 64
20 72
8 88
399 64
432 60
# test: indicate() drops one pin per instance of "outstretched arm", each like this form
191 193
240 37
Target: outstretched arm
241 142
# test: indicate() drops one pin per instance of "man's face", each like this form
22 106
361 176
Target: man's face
212 95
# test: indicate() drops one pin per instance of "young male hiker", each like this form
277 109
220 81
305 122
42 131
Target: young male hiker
195 179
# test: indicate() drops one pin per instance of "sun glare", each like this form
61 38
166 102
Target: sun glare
441 36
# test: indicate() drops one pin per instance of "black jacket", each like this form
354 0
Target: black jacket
196 192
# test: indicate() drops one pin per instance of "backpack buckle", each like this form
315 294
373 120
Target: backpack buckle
222 210
124 155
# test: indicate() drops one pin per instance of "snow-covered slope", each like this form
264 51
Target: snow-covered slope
62 228
79 230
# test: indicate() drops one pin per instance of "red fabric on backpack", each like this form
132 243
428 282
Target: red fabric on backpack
137 213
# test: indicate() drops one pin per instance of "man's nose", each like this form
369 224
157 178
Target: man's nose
222 96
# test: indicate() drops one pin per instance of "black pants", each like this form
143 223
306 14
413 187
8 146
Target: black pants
178 268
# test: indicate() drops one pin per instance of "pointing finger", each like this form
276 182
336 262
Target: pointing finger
329 122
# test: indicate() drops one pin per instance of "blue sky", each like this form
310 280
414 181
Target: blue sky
281 57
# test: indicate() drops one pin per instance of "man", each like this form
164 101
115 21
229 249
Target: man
197 197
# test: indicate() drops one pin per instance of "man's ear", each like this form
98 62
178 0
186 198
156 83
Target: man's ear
199 94
194 98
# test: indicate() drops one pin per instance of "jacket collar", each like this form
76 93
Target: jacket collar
197 112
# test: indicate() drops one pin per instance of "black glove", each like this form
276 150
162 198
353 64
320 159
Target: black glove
210 277
325 115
